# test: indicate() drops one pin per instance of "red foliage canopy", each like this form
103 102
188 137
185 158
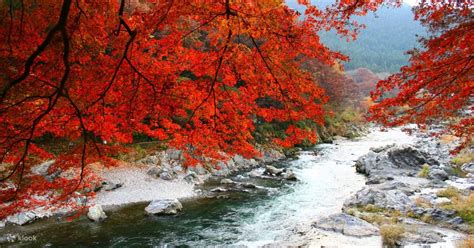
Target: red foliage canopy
188 72
438 82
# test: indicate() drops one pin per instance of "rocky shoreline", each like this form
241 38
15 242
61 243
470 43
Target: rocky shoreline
157 177
412 196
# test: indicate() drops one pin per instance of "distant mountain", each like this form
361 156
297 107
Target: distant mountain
382 45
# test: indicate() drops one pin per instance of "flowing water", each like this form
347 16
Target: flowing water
274 215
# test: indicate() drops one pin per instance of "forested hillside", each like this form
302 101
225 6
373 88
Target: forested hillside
381 46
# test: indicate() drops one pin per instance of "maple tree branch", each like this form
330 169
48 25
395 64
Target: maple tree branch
195 29
61 24
446 86
216 74
132 34
60 27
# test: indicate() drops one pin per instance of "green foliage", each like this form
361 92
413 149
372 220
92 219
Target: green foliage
266 131
463 157
343 122
424 171
464 207
382 45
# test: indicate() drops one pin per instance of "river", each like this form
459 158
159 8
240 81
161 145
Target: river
279 213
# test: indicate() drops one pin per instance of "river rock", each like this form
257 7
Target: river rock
381 148
408 189
199 170
441 215
227 181
243 163
455 221
192 177
390 199
468 167
248 185
406 156
96 213
218 189
42 169
164 207
347 225
223 171
289 175
109 186
154 172
166 175
378 179
271 155
271 170
438 174
152 160
21 218
174 154
462 183
440 200
397 160
420 235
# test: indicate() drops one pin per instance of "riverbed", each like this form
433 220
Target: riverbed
277 213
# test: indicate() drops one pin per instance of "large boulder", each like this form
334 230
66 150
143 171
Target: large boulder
22 218
408 157
164 207
393 161
241 162
289 175
388 199
96 213
347 225
468 167
440 214
154 172
438 174
271 155
271 170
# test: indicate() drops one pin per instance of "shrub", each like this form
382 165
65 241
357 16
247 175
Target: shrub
466 243
424 171
463 157
372 208
391 234
422 202
450 192
375 218
465 208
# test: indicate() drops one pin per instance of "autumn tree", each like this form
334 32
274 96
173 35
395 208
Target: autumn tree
96 73
438 82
